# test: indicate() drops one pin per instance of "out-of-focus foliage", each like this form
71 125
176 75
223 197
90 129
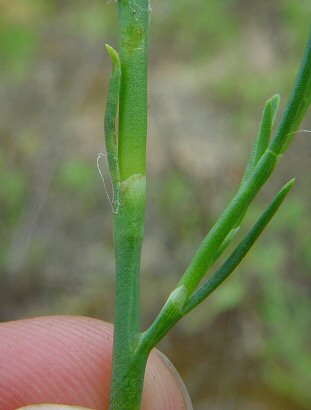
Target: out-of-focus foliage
212 66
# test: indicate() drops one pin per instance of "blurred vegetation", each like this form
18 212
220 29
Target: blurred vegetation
248 346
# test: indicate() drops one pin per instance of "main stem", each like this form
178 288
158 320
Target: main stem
133 30
128 364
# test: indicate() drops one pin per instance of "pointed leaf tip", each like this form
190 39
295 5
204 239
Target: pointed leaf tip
276 98
287 187
275 103
113 55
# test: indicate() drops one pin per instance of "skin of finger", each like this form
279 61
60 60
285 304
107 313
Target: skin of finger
67 360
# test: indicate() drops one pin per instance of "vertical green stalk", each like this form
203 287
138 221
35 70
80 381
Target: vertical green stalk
133 27
128 366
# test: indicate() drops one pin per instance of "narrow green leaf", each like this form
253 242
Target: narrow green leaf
275 103
266 126
263 138
239 253
262 143
110 120
114 57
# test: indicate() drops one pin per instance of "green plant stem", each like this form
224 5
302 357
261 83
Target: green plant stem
127 167
128 366
133 30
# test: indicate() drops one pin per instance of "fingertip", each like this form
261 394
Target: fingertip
56 359
67 361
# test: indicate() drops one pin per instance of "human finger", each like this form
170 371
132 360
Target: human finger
67 360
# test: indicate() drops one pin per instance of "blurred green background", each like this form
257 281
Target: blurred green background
212 66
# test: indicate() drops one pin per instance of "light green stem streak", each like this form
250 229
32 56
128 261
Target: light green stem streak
129 364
